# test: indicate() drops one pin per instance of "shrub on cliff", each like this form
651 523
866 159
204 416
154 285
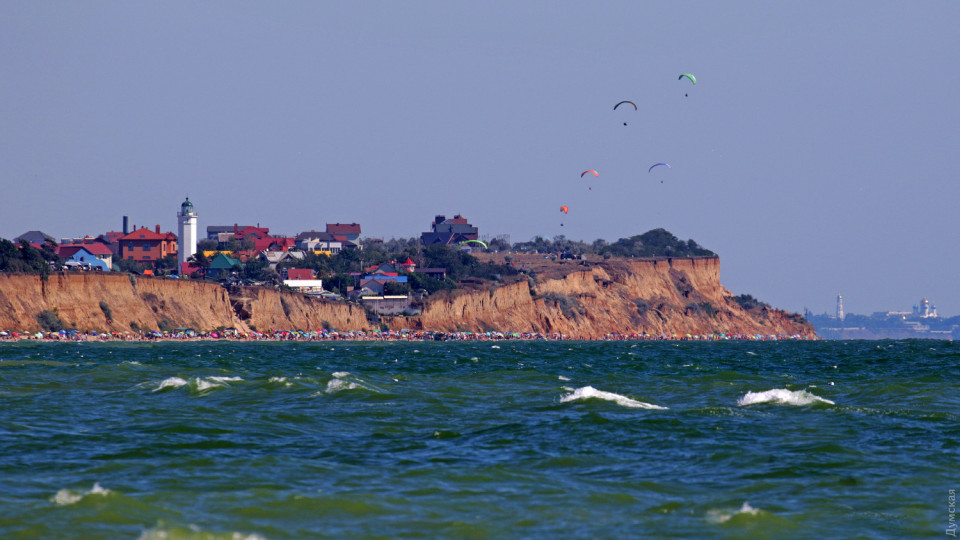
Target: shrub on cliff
107 312
747 302
50 321
701 308
569 306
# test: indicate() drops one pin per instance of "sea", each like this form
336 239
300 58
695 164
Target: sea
485 439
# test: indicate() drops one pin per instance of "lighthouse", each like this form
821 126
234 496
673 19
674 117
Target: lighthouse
187 227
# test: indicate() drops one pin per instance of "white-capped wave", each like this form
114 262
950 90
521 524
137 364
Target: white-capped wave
336 385
207 383
718 516
66 497
201 383
589 392
171 382
781 396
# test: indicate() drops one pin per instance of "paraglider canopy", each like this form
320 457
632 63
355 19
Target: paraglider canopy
481 242
632 104
689 76
564 209
591 171
667 165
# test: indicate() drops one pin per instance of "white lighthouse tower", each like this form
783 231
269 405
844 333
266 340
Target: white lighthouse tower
187 227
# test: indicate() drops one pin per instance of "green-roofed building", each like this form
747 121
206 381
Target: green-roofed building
222 265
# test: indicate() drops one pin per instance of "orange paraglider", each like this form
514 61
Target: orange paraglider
564 209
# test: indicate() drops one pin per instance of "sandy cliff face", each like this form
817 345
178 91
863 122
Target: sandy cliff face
266 309
678 296
76 298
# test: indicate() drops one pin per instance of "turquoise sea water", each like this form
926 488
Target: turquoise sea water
478 440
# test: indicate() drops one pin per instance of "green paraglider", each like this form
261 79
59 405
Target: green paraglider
481 242
689 76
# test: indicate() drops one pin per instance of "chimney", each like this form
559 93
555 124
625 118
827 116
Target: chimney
236 229
126 225
158 228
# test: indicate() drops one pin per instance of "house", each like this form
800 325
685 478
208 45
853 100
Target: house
147 247
273 258
224 233
408 265
93 250
82 259
221 266
318 241
111 240
306 286
382 268
350 231
188 268
344 243
386 271
34 237
297 273
449 231
372 286
263 241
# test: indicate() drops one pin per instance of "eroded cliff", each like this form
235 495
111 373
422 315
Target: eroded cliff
677 296
671 296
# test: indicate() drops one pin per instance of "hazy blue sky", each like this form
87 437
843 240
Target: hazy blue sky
818 152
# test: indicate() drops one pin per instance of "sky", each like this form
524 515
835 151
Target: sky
817 153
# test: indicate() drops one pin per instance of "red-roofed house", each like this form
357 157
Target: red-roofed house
147 247
263 241
110 239
298 273
96 249
408 265
349 230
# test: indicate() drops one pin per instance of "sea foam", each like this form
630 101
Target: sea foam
589 392
171 382
716 516
66 497
214 382
781 396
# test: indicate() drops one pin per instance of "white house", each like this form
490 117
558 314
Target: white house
306 286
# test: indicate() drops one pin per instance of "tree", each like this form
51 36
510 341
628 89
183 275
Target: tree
394 288
259 270
202 262
207 245
168 262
